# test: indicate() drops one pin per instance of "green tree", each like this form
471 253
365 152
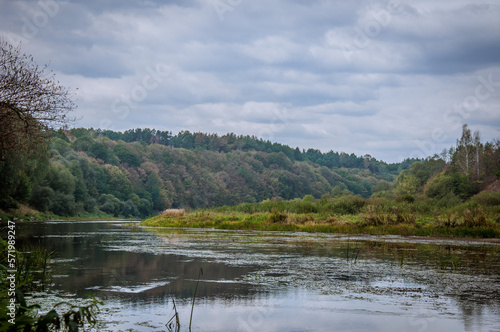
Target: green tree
407 183
126 155
42 198
118 183
465 152
440 186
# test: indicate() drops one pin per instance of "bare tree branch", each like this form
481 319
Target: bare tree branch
31 100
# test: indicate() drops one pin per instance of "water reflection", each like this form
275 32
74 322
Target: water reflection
274 281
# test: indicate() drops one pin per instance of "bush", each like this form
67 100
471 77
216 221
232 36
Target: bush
63 205
41 198
277 217
90 205
145 207
110 204
346 205
449 200
8 203
487 198
374 217
305 207
474 218
129 209
439 187
408 198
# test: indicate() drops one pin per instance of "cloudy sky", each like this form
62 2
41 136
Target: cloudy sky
393 79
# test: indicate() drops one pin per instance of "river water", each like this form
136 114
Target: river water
271 281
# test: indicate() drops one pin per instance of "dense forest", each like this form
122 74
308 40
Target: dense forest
140 172
84 171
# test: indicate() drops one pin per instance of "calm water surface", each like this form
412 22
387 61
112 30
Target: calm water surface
271 281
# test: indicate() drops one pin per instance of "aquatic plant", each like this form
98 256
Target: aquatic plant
200 273
174 324
352 253
32 267
32 272
74 317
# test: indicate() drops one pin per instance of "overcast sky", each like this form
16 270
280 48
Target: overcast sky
393 79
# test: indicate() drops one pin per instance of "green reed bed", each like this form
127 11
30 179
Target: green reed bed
354 215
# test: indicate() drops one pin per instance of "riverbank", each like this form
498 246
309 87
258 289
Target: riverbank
351 215
25 213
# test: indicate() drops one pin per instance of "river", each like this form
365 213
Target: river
271 281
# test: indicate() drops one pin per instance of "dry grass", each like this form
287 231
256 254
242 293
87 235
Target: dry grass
173 213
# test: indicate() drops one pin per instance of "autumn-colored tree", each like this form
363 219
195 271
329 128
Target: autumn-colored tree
30 100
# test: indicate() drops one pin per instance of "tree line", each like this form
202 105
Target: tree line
85 172
456 175
232 142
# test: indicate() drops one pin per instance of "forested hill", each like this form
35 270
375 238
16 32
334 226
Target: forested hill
141 171
231 142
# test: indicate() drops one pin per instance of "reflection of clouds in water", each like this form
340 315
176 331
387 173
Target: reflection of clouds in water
131 289
283 281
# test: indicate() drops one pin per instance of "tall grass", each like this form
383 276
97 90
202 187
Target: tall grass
417 215
31 274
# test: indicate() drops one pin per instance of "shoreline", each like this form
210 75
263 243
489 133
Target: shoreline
412 238
349 225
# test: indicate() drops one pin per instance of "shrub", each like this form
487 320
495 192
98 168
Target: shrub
374 217
449 200
276 217
408 198
474 218
487 198
439 187
63 205
305 207
41 198
347 205
405 218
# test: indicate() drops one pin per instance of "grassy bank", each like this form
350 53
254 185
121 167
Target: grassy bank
476 218
26 213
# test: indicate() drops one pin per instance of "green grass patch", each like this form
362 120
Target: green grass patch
352 215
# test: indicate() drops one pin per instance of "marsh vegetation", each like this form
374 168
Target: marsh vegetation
477 217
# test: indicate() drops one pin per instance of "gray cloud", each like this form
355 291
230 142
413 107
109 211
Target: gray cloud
388 78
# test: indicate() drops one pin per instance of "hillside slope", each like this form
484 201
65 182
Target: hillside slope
90 171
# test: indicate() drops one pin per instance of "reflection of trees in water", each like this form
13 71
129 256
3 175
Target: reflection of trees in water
91 265
476 303
466 274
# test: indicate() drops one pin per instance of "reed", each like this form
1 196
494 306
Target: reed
32 272
200 273
174 324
